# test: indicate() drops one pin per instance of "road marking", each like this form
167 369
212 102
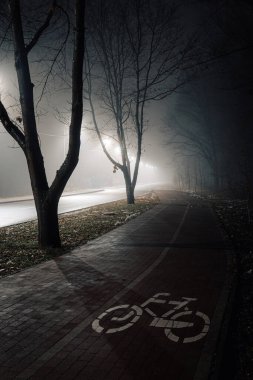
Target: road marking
160 258
39 362
135 312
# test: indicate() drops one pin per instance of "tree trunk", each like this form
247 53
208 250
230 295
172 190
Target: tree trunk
130 194
48 224
129 188
46 198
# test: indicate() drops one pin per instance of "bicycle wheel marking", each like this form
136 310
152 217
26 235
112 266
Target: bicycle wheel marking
170 335
172 321
204 330
136 312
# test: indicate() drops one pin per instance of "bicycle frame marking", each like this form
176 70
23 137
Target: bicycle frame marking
168 321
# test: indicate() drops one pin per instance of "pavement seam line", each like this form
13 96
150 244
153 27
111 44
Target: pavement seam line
161 256
39 362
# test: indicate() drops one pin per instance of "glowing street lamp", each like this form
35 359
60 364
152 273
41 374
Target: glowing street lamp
117 150
107 142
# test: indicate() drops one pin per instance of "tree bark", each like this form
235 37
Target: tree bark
46 197
48 224
129 188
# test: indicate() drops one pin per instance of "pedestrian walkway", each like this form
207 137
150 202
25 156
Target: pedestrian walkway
145 301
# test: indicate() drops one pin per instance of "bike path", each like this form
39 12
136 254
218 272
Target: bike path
53 317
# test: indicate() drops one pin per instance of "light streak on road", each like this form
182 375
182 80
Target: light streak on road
24 210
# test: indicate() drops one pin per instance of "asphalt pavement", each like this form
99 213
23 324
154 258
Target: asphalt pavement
147 300
18 210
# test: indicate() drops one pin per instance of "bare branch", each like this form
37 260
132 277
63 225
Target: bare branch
43 27
49 72
11 128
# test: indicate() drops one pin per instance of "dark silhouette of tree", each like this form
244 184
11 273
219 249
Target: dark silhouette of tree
46 197
211 122
234 21
194 129
135 54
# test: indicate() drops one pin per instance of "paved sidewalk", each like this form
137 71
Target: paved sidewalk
169 268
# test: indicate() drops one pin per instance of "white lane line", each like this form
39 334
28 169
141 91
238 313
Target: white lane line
38 363
158 260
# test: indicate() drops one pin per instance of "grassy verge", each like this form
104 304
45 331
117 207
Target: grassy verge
18 243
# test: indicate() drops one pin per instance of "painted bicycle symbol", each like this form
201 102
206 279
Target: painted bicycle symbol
125 316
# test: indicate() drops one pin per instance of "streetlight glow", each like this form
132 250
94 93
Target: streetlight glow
107 142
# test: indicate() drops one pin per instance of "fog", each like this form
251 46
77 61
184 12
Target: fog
197 138
93 170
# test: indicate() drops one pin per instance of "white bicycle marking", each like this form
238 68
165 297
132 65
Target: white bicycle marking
168 321
137 310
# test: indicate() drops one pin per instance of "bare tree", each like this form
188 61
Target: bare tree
136 50
46 197
194 128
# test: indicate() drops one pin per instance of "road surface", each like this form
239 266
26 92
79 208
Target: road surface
24 210
145 301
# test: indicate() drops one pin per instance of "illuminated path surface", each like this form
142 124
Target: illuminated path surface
21 211
145 301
